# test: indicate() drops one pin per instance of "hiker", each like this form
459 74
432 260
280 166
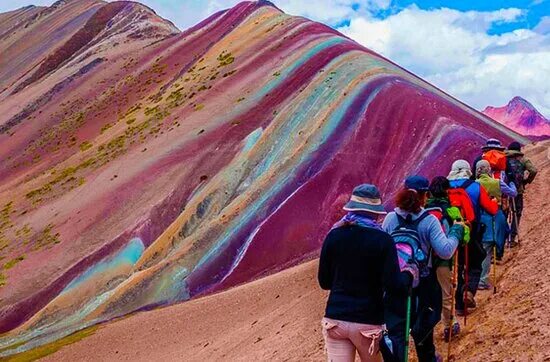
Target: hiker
460 178
358 265
426 302
493 152
496 227
440 206
518 166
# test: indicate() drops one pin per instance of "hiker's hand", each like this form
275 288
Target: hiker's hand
457 230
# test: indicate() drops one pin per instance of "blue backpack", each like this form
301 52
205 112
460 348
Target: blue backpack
408 244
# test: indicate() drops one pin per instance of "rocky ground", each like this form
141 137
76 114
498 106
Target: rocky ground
277 318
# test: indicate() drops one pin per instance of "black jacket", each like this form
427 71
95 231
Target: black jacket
358 264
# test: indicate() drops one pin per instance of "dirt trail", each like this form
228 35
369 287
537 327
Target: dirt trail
277 318
514 324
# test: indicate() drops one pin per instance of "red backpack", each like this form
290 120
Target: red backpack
459 198
497 160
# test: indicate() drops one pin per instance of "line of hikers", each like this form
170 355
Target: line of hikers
426 261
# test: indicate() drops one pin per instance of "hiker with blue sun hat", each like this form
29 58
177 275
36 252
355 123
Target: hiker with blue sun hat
358 264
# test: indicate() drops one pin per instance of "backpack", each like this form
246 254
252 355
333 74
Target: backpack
516 171
460 199
497 160
440 215
406 238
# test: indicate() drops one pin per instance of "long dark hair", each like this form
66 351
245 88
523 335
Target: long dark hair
439 187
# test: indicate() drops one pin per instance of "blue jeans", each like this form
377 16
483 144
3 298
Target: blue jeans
486 265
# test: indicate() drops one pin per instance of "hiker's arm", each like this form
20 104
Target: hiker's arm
486 203
325 273
389 223
532 171
508 190
442 245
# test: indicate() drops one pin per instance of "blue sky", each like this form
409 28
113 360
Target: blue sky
483 52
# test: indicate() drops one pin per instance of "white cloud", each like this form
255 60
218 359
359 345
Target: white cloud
331 11
544 25
453 50
189 12
497 78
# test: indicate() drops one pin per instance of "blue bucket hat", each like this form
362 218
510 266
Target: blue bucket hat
366 197
418 183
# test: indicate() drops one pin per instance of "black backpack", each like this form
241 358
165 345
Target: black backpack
406 234
516 171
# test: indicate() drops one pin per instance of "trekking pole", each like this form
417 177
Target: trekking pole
454 281
495 269
515 215
510 220
466 279
408 324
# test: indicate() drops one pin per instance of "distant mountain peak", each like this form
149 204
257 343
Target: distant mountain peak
521 116
522 102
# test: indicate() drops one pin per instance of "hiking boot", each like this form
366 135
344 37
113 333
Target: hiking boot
448 333
469 301
484 286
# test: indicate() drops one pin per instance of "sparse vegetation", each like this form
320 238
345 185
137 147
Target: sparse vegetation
225 59
228 74
46 238
10 264
105 127
86 145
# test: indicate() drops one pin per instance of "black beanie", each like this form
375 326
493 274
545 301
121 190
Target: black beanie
514 146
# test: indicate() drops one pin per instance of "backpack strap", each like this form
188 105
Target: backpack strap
421 217
466 184
403 222
444 215
434 208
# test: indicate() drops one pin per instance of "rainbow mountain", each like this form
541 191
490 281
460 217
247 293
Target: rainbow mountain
141 166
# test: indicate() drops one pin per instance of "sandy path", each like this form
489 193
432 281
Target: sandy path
277 318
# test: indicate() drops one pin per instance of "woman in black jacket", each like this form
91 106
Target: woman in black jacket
358 264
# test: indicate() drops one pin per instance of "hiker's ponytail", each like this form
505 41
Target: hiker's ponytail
410 200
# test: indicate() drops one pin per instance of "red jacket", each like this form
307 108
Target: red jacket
486 203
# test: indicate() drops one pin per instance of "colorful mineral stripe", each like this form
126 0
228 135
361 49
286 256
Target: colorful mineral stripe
153 166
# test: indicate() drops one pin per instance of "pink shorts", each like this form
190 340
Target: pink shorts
344 339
